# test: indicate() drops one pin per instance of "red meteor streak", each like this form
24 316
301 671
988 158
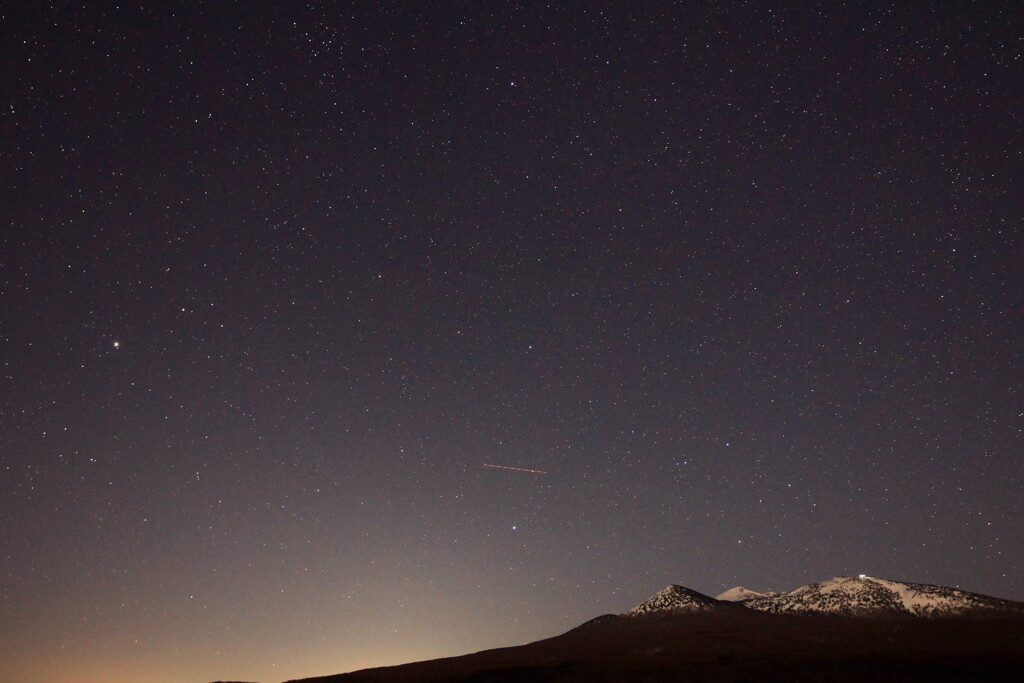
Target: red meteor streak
517 469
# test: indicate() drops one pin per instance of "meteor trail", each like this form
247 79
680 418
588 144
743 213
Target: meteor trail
517 469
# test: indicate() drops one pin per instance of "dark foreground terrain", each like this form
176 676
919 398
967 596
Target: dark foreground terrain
739 646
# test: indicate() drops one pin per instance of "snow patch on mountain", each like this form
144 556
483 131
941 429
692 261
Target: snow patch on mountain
840 595
918 598
739 594
926 600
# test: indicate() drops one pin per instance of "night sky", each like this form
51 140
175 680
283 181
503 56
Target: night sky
744 285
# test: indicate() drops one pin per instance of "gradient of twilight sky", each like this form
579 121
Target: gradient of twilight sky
279 279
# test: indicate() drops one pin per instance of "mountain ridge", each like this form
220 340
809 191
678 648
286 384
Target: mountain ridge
840 595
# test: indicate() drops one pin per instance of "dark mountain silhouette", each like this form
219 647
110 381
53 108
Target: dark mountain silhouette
845 629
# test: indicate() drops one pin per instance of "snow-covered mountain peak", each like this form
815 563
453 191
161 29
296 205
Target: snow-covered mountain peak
674 598
739 594
863 595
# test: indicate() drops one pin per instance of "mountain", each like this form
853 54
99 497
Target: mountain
737 644
866 595
844 629
676 598
842 595
740 594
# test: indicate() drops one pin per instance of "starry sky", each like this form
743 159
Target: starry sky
742 281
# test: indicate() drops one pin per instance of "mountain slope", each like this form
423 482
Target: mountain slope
848 595
737 644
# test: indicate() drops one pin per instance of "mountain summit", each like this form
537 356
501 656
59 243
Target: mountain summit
845 595
676 598
739 594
